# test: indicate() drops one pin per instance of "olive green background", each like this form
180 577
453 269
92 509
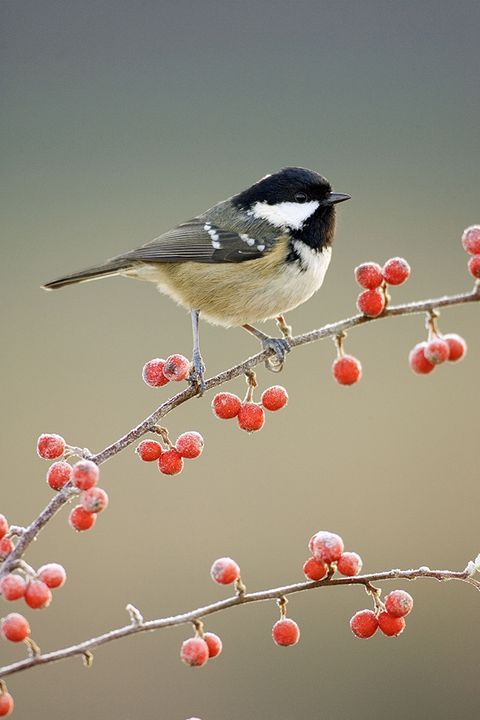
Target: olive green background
121 119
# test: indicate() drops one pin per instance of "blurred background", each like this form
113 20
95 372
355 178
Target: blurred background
121 119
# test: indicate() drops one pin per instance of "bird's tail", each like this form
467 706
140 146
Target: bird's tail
112 267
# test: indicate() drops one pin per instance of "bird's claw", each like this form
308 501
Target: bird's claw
281 347
197 375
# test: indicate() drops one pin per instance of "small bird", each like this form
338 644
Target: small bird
249 258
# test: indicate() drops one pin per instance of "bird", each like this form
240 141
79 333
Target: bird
249 258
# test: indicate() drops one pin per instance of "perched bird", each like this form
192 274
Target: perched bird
249 258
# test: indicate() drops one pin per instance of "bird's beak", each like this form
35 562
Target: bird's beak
333 198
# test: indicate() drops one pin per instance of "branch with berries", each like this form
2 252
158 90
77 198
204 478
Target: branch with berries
80 479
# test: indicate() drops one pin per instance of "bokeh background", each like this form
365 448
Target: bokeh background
119 120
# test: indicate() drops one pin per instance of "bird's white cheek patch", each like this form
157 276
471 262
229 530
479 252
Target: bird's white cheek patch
285 214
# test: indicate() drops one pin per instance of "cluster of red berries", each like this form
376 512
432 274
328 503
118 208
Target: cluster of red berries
328 555
159 372
250 415
170 460
34 589
374 279
471 245
388 616
6 545
426 355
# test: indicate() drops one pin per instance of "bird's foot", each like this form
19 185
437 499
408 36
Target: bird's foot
197 375
281 347
285 329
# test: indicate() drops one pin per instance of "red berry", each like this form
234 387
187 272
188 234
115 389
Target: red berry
6 704
15 627
190 444
153 373
6 547
38 595
177 367
80 519
274 398
437 351
369 275
286 632
398 603
457 346
347 370
50 447
12 587
474 266
396 271
52 574
194 652
417 360
3 526
471 239
85 474
214 644
94 500
149 450
349 564
225 571
390 625
315 569
371 302
170 462
251 417
364 624
59 474
226 405
326 546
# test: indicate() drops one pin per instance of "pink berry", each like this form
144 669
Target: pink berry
177 367
6 547
59 474
149 450
471 239
38 595
349 564
94 500
315 569
396 271
326 546
15 627
52 574
389 625
12 587
225 571
190 444
6 704
153 373
474 266
437 351
398 603
274 398
251 417
50 446
347 370
170 462
194 652
369 275
214 644
85 474
3 526
457 346
418 361
285 632
226 405
371 302
80 519
364 624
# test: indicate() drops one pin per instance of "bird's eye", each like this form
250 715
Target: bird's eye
300 197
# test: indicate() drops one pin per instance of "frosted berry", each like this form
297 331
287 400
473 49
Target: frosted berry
15 627
85 474
6 547
3 526
398 603
80 519
6 704
369 275
437 351
170 462
190 444
37 595
52 574
456 345
50 447
389 625
177 367
225 571
149 450
251 417
364 624
326 546
396 271
315 569
347 370
59 474
349 564
94 500
474 266
274 398
285 632
471 239
214 644
226 405
152 373
194 652
371 302
12 587
417 360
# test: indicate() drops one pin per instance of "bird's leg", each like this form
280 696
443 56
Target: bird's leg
196 376
280 345
285 329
